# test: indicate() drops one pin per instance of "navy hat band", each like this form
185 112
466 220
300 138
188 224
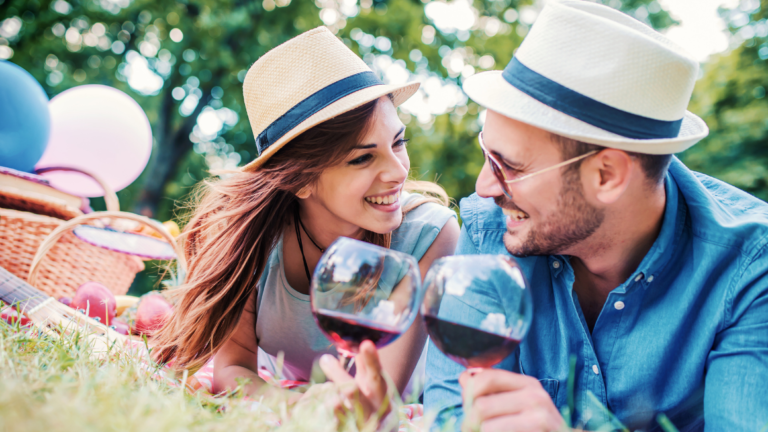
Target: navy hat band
585 108
314 104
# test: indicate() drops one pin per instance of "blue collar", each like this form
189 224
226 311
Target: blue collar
663 248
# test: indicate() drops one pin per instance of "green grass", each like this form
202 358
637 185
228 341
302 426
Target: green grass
53 384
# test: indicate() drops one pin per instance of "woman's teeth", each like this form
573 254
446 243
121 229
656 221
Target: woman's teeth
515 214
389 199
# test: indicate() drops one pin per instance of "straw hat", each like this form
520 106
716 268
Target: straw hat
593 74
304 82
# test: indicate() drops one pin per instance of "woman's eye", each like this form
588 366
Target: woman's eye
400 143
360 160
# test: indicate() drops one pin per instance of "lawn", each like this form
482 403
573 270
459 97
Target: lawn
54 384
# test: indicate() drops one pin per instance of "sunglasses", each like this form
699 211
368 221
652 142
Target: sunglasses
506 179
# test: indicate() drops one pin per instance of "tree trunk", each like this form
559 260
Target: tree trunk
174 146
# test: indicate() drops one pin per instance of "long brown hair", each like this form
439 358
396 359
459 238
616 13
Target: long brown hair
237 220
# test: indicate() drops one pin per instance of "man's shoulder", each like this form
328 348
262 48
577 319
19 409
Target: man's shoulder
481 214
722 214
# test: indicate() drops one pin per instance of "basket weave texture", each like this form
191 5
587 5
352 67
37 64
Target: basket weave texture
14 199
71 261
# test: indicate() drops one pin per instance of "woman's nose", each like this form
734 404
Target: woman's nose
395 170
487 186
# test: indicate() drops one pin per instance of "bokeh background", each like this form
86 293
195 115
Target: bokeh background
184 62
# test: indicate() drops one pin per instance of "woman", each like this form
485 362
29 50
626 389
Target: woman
332 162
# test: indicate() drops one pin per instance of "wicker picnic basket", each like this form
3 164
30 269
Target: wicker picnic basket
43 250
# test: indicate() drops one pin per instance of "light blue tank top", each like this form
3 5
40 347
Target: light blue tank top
285 322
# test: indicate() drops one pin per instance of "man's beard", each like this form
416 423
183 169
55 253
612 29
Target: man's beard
574 220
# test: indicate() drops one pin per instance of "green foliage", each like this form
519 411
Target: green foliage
731 99
65 43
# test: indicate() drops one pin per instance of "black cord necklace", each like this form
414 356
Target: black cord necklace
296 223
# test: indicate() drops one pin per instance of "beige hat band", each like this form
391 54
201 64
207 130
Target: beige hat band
312 105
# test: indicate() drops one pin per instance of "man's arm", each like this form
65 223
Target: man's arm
736 386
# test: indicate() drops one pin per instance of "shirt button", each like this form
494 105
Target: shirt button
556 264
619 305
638 277
595 370
650 279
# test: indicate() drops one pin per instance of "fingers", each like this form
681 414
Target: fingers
529 421
315 392
509 403
369 373
333 370
369 357
367 390
343 380
490 381
499 400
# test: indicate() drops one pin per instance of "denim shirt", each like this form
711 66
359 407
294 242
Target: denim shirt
685 335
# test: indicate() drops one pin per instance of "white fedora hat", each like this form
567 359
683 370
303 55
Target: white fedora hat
593 74
304 82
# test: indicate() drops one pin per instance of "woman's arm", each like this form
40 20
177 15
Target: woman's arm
400 358
238 358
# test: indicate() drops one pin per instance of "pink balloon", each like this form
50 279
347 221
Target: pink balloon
100 130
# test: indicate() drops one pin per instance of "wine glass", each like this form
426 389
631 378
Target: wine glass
477 308
361 291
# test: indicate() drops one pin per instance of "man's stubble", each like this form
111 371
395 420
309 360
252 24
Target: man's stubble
574 221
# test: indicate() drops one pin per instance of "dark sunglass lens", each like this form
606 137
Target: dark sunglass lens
496 170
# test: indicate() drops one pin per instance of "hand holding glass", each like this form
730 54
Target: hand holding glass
361 291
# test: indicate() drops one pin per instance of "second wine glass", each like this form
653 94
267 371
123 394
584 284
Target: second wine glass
361 291
477 308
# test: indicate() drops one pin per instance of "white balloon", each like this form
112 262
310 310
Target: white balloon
97 129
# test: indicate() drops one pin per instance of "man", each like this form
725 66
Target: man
652 277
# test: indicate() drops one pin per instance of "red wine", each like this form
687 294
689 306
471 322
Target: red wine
469 346
347 331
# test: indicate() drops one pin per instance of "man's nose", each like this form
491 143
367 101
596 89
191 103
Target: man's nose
487 186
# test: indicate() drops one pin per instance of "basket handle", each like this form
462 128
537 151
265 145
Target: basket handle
56 234
110 197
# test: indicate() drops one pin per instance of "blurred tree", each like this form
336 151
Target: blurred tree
731 99
184 62
176 58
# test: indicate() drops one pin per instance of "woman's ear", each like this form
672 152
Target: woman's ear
304 192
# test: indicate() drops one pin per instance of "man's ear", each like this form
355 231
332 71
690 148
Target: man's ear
304 192
607 175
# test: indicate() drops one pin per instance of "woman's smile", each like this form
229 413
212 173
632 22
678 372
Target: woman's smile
387 202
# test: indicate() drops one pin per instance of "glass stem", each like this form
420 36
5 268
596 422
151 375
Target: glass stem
346 361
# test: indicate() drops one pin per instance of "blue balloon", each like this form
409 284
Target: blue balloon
25 122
